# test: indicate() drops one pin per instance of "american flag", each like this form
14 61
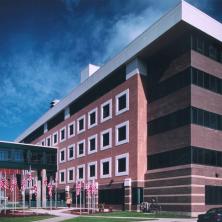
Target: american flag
23 187
78 188
29 176
50 187
35 189
45 182
13 184
4 183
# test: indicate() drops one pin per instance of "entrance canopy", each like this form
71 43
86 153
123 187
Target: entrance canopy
24 156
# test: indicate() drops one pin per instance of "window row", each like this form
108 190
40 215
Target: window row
187 155
183 117
207 48
121 137
79 174
122 105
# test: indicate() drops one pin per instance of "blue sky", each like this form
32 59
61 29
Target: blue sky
44 44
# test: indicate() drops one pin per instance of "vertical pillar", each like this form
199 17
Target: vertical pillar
127 194
38 196
43 188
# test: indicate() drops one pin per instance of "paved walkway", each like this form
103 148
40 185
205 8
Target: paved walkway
60 214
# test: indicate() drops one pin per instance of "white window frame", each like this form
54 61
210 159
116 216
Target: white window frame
74 129
84 124
110 110
77 174
110 139
118 112
110 168
60 133
96 144
48 137
125 155
117 142
68 170
68 150
88 170
84 148
56 133
43 141
62 171
60 151
96 118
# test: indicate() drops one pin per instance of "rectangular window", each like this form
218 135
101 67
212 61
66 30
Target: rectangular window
62 176
71 152
43 142
106 168
122 133
106 139
122 165
92 170
71 174
63 134
106 111
81 124
92 144
62 157
81 148
213 195
71 129
122 102
48 141
55 138
92 118
81 172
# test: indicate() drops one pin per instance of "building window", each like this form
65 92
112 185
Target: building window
122 102
92 144
106 168
62 176
55 138
71 152
71 129
106 139
81 148
63 134
62 155
122 133
213 195
81 172
122 165
43 142
81 124
48 141
92 118
92 170
70 174
106 111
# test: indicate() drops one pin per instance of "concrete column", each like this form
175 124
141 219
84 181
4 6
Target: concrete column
43 188
127 195
38 197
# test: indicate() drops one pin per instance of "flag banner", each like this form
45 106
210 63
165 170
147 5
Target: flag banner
50 188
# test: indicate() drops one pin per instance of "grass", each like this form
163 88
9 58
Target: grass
102 219
24 219
140 214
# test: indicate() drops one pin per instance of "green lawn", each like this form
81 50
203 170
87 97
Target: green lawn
24 219
140 214
102 219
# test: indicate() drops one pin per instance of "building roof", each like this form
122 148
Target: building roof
182 12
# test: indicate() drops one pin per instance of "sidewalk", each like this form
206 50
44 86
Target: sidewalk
60 214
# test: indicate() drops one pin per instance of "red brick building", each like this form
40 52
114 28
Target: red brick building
147 123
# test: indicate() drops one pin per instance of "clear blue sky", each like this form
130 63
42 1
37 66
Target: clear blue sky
44 44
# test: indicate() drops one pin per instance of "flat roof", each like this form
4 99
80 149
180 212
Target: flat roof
181 12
